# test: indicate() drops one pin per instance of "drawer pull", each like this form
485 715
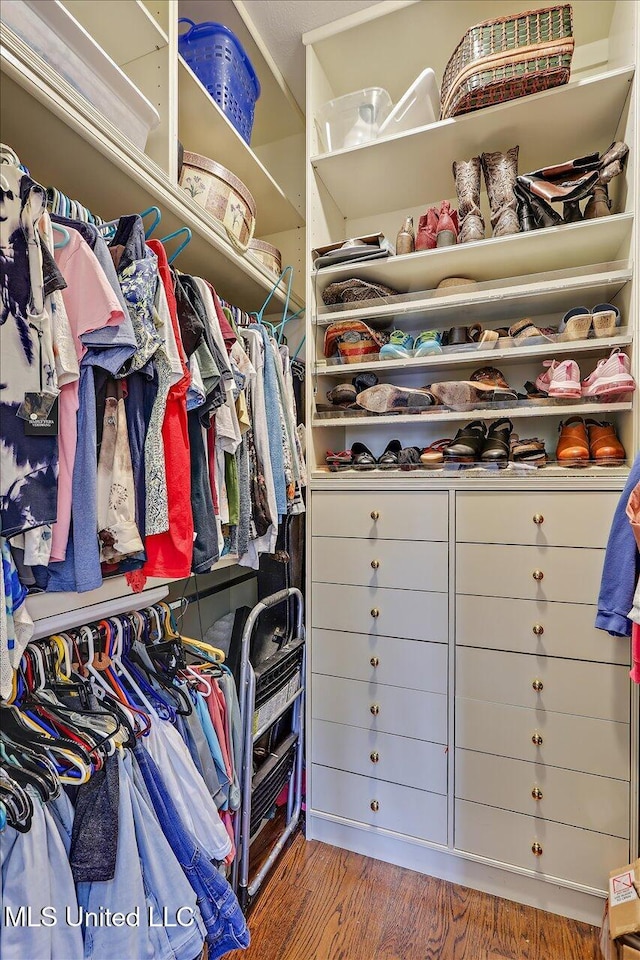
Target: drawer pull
374 709
375 564
536 849
537 740
375 514
538 629
374 757
538 519
538 575
375 806
375 661
538 685
375 613
536 793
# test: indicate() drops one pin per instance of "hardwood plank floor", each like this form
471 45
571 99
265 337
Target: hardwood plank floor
322 903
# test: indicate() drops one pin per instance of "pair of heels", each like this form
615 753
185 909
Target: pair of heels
577 323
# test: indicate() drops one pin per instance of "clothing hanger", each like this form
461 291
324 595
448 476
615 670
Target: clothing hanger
300 346
65 236
157 217
181 231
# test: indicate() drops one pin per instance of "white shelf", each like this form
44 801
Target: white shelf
514 471
567 246
480 413
494 301
128 33
476 357
394 170
89 160
203 128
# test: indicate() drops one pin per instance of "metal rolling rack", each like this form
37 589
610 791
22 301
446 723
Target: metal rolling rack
265 694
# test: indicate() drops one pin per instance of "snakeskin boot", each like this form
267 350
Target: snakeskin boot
500 172
612 164
467 176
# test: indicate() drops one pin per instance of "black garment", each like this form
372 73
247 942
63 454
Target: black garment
205 544
94 838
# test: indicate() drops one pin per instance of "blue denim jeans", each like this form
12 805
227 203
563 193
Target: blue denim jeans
223 918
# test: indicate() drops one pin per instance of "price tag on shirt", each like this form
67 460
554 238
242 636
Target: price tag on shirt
40 414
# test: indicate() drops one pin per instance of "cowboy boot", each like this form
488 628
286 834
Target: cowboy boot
427 226
612 164
467 176
447 232
500 171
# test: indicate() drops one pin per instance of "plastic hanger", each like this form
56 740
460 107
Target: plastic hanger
65 236
157 217
181 231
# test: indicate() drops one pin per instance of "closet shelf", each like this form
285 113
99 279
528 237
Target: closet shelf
398 479
475 357
479 413
69 145
203 128
132 34
411 169
538 251
495 301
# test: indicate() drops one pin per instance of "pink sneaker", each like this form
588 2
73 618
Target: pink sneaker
611 377
560 380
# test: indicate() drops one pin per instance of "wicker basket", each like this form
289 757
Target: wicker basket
222 194
508 58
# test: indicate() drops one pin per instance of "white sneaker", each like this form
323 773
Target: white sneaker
611 377
560 380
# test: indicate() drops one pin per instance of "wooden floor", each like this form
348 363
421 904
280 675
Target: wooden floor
322 903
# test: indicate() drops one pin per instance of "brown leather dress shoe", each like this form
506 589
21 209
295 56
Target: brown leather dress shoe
604 446
573 444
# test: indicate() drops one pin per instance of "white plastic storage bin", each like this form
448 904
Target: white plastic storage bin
418 107
50 31
354 118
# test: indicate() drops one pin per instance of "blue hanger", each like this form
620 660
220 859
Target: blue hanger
65 236
157 217
300 346
176 233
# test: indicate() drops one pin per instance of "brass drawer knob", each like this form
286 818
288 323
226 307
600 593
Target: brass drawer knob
538 629
375 613
375 709
538 575
375 806
538 519
375 661
375 514
536 793
538 685
536 849
537 740
375 564
374 757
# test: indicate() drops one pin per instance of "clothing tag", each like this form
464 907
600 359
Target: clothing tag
42 424
36 406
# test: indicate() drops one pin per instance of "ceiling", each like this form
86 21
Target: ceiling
281 24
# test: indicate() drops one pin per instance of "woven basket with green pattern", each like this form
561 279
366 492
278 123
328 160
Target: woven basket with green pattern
508 58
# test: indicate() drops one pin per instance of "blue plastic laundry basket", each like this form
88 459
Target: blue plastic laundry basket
218 60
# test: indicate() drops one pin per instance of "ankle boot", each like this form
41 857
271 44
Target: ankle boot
467 176
447 232
500 171
599 204
427 226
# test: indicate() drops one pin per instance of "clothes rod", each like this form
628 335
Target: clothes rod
45 626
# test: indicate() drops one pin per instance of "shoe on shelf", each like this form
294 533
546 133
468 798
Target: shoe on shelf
611 378
362 381
389 459
386 398
342 395
409 458
573 443
467 444
560 380
530 450
433 455
447 229
362 458
427 226
427 343
606 318
576 324
604 446
399 347
338 461
498 442
524 330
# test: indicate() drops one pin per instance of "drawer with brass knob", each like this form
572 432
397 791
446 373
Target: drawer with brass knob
380 659
563 796
384 756
382 515
556 850
391 806
529 572
387 563
536 626
544 517
410 614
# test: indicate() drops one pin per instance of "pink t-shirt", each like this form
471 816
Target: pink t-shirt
90 304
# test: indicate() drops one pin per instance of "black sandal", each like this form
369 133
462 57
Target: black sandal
362 458
467 444
498 443
389 459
